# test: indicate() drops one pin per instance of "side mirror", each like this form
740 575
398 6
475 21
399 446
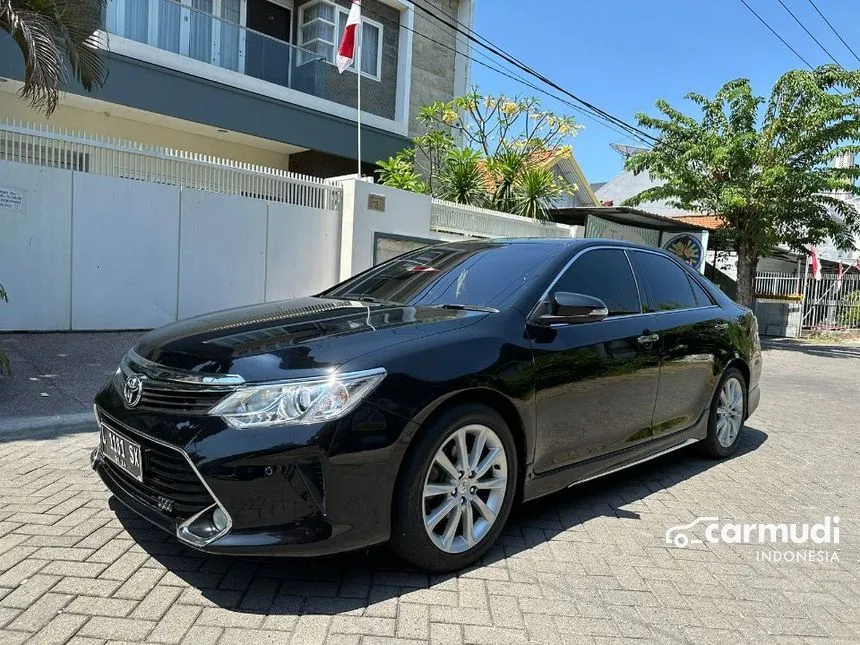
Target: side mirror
574 308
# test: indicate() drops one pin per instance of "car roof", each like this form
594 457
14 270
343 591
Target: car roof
559 242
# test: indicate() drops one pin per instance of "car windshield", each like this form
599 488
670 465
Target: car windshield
489 274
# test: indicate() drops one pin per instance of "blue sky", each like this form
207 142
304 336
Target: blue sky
622 55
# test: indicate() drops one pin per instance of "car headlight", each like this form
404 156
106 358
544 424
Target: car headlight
301 401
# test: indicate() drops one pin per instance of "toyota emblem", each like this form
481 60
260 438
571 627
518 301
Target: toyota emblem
132 391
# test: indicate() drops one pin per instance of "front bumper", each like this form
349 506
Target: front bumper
284 491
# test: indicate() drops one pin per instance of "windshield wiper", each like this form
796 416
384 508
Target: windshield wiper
363 298
488 310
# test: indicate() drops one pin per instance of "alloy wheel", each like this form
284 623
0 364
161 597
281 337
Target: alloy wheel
730 412
465 488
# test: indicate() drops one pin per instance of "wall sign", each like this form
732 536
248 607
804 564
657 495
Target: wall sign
376 202
11 199
688 247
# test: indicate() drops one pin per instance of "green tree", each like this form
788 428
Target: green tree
767 176
503 160
58 40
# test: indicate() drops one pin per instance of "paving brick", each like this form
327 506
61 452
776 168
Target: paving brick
29 591
59 630
310 630
413 621
139 584
40 612
117 628
217 617
86 586
173 627
94 606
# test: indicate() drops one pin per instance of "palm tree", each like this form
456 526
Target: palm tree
60 43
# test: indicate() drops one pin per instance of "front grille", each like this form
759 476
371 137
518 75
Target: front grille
166 474
182 399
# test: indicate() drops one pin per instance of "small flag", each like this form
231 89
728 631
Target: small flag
839 278
346 51
815 265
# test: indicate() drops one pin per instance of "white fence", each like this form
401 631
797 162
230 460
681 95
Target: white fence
450 217
83 251
832 302
107 234
777 284
69 150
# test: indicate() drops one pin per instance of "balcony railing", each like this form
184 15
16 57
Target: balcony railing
191 29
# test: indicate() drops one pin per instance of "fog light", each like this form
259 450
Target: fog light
219 519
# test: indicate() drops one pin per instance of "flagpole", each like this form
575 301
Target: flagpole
360 38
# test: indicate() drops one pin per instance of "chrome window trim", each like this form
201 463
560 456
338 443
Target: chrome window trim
172 374
624 249
182 529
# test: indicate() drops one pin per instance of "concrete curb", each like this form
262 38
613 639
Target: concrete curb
74 422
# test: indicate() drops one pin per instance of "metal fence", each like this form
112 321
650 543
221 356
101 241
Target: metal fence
65 149
777 284
831 303
450 217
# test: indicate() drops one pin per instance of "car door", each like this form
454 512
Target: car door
596 382
690 327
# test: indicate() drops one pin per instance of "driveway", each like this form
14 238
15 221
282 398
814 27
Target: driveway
589 565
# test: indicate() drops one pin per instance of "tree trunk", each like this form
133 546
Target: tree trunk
747 264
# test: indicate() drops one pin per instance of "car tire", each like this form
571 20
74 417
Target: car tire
479 502
727 415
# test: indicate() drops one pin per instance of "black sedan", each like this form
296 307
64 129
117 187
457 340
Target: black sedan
416 402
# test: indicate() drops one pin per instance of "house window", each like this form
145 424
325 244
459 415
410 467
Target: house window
321 27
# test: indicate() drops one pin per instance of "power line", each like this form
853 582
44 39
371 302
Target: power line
513 61
774 32
833 29
808 33
511 75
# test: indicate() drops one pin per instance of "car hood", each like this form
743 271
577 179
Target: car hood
292 338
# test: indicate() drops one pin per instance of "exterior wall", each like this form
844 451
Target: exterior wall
67 116
156 88
433 67
377 97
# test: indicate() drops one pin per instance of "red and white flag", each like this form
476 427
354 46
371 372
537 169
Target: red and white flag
814 264
346 51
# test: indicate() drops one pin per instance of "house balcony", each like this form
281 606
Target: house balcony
224 41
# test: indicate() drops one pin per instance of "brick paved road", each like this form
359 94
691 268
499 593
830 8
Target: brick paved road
585 566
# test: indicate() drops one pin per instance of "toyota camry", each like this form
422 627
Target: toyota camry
416 402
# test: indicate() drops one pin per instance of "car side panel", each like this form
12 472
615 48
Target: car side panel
694 344
594 390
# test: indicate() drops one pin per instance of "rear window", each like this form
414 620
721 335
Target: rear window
490 274
663 284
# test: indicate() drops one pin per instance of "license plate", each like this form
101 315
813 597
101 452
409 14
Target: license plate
123 452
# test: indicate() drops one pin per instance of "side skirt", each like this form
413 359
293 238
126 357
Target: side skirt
584 471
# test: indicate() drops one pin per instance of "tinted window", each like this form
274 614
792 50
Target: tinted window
488 274
604 274
663 283
702 297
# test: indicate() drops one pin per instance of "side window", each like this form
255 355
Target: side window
664 284
702 297
604 274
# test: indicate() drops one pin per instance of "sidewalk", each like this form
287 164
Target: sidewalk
58 373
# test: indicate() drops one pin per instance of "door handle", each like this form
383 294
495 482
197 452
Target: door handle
721 326
648 339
